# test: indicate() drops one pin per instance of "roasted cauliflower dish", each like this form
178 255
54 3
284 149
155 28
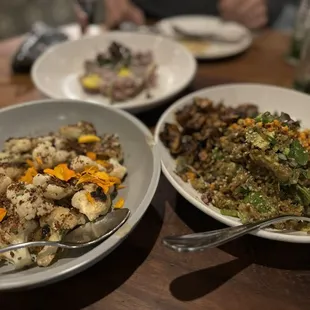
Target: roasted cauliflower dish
248 164
51 184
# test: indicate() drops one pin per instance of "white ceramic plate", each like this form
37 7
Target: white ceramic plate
199 23
56 72
267 98
42 117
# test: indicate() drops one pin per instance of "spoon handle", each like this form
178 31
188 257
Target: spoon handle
201 241
21 245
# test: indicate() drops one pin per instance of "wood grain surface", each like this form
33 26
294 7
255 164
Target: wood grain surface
249 273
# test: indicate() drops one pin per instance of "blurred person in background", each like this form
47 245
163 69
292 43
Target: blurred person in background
253 14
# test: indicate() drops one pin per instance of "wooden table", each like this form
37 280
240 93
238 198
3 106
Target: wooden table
249 273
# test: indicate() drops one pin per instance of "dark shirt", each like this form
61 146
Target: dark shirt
167 8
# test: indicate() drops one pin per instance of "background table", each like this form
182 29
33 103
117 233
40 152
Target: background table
249 273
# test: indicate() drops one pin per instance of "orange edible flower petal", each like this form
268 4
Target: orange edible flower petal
28 176
90 198
100 178
88 139
29 163
91 155
39 160
61 172
119 204
103 163
2 214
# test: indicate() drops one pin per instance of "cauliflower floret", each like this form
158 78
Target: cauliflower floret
18 145
108 147
5 181
73 132
52 188
119 170
49 155
59 221
14 230
28 200
91 208
80 162
12 170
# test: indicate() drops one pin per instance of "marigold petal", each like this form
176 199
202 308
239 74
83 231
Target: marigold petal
88 139
90 198
61 172
3 213
91 155
28 176
119 204
29 162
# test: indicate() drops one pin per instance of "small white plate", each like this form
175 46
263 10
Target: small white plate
267 98
200 24
56 72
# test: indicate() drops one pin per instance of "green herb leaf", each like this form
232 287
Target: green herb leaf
265 118
298 153
303 194
259 201
228 212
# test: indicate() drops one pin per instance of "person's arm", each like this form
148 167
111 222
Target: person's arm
118 11
251 13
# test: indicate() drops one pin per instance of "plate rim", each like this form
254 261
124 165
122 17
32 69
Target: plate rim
123 106
79 264
204 56
264 233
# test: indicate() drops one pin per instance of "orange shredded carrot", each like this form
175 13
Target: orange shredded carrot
30 173
61 172
91 155
3 213
120 186
190 175
119 204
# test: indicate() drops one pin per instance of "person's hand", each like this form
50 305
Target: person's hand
251 13
118 11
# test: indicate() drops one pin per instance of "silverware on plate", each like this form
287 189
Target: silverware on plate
209 36
210 239
83 236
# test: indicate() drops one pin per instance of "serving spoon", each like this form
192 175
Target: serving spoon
83 236
211 239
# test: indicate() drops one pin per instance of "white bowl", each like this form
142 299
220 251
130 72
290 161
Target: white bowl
267 98
56 72
42 117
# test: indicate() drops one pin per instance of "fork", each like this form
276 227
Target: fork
210 239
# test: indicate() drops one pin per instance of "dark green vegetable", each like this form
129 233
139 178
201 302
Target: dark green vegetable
298 153
265 118
304 194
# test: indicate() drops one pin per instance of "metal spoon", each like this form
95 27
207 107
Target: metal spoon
211 239
214 37
83 236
